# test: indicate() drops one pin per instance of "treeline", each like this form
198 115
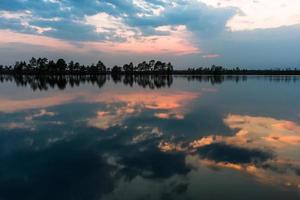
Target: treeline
60 66
45 66
219 70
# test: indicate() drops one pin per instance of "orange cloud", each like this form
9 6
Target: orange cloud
105 120
14 105
156 100
170 104
169 116
264 131
173 104
265 176
279 136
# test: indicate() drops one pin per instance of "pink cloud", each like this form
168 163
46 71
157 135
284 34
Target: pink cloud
7 37
171 44
169 115
148 45
210 56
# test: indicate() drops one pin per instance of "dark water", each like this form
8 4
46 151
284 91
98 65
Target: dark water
149 137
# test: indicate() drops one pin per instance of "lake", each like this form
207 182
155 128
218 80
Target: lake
149 137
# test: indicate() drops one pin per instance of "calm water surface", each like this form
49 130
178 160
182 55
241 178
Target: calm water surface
149 138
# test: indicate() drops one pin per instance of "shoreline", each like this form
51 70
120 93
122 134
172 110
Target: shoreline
175 72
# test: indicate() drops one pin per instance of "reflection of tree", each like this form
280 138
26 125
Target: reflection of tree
144 80
218 79
44 82
40 82
37 82
151 81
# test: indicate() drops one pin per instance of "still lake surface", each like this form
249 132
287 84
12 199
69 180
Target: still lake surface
145 137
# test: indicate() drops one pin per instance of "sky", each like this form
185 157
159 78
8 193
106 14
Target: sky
189 33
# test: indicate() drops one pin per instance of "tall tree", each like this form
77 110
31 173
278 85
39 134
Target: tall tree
101 67
61 64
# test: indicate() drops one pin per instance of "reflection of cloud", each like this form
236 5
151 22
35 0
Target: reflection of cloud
147 134
249 150
155 100
17 125
122 105
264 131
170 105
221 152
29 122
169 147
14 105
253 132
284 178
210 56
149 99
169 116
105 120
41 113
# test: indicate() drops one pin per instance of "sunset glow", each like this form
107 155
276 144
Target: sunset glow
193 30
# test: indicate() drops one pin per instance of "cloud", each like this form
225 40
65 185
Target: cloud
261 14
169 116
147 133
119 22
11 38
210 56
17 125
123 106
194 29
105 120
197 17
15 105
41 113
261 48
28 122
220 152
263 147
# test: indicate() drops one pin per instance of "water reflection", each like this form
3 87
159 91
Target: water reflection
120 106
40 82
183 141
264 147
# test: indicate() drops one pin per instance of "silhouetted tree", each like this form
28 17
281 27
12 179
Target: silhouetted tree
33 63
116 70
71 66
51 66
42 64
128 68
61 65
76 66
169 67
101 67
